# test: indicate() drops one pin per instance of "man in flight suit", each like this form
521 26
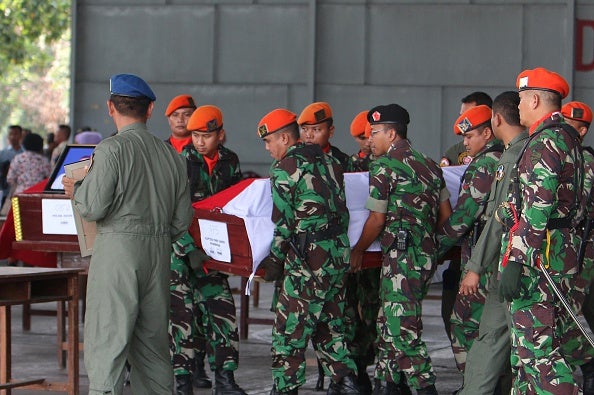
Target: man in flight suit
137 191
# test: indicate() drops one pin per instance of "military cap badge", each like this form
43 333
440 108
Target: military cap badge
263 130
320 115
464 125
211 125
577 113
376 116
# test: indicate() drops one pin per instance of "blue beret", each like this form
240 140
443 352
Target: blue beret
131 86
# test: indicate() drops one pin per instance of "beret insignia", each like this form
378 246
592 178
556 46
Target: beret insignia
376 116
263 130
320 115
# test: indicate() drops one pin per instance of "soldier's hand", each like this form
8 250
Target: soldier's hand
68 186
511 281
273 268
469 284
356 260
197 257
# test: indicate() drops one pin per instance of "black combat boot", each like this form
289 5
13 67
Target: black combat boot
402 387
225 384
430 390
363 380
183 385
379 387
320 382
294 391
588 376
200 379
346 386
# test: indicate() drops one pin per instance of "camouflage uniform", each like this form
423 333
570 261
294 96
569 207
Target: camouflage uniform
584 281
550 173
211 294
408 187
362 303
361 161
456 155
309 209
489 354
467 219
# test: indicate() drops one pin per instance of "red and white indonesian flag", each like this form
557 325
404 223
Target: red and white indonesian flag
251 200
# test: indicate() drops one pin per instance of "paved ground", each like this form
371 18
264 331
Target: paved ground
34 352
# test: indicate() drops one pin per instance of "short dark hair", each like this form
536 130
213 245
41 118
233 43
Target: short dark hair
136 107
292 129
65 128
551 98
400 128
33 142
479 98
17 127
506 104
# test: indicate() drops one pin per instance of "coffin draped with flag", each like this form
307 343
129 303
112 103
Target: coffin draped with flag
235 229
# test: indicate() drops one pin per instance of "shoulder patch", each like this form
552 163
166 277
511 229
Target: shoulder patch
536 152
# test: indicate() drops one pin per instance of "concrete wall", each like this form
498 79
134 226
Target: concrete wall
249 57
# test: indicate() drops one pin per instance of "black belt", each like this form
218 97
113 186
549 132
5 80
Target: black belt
559 223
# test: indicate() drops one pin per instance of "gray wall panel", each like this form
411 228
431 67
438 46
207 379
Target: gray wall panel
539 37
423 104
250 56
259 44
159 43
341 52
440 45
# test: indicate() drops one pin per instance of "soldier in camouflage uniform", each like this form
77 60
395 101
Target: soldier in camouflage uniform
579 115
488 358
545 208
316 126
311 248
407 195
457 155
186 341
362 304
467 221
212 168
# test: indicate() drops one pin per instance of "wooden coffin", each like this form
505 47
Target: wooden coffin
241 253
28 219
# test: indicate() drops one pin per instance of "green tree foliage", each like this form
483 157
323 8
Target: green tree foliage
35 61
29 27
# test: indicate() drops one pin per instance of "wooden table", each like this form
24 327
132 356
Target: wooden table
20 285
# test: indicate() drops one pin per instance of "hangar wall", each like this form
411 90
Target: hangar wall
250 56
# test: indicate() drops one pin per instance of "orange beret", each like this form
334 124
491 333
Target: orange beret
472 119
359 124
368 130
274 121
315 113
578 111
206 119
542 79
181 101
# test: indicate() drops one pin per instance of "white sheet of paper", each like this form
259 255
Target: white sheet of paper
215 239
57 217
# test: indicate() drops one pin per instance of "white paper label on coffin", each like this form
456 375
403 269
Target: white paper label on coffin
254 206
